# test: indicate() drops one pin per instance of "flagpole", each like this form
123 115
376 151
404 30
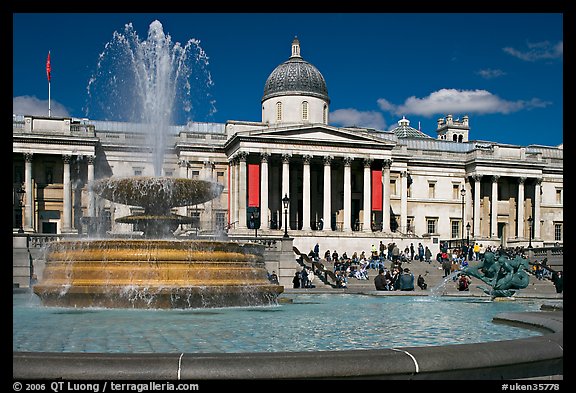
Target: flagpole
49 76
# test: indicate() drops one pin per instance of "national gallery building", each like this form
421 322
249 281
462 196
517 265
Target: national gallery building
343 187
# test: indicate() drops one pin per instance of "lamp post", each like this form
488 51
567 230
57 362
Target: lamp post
468 235
20 195
530 222
463 193
286 202
256 216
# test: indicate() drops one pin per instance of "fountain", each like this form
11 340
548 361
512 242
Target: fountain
504 276
157 270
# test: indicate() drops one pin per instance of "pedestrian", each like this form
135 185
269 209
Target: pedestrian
380 281
558 280
296 280
317 251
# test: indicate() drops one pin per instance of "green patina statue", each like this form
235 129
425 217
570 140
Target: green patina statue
504 276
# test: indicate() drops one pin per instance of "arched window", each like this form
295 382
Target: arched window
278 111
304 110
455 138
325 114
460 138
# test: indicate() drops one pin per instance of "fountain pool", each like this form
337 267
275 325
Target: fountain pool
309 322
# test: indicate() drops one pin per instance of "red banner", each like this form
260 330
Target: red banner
376 190
48 67
253 185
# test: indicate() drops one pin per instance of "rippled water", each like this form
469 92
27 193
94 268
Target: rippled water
311 322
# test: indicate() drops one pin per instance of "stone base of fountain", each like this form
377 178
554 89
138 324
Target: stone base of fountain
145 273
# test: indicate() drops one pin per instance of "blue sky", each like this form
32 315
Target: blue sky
503 70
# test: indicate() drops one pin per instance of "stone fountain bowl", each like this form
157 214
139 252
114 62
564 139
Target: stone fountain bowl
157 194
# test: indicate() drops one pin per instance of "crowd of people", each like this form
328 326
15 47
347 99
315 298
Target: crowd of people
395 277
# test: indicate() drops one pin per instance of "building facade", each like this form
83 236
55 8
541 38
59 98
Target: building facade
348 187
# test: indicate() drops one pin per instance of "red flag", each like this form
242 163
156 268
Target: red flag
48 68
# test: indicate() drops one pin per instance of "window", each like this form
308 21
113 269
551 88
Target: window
325 115
410 224
304 110
454 138
431 225
169 173
455 226
138 171
455 191
195 174
278 111
220 177
220 220
558 231
393 187
559 196
431 190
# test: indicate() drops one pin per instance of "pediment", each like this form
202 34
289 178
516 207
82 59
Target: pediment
321 134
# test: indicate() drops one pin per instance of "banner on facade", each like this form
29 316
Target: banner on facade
253 185
376 190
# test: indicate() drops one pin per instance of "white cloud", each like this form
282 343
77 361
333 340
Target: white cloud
29 105
489 73
446 101
353 117
538 51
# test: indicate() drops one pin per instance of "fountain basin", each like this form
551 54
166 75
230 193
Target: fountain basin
144 273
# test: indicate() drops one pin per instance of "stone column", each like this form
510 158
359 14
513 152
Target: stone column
347 227
306 193
242 156
91 203
476 227
234 196
264 216
67 195
182 172
404 201
386 164
537 202
286 186
367 220
494 207
327 214
520 203
29 188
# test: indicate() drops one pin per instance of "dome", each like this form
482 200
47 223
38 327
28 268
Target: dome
296 77
405 131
